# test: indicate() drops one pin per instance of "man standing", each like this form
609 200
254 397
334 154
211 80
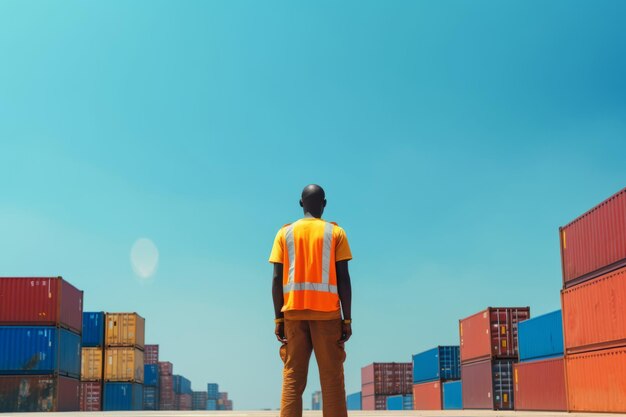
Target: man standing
310 288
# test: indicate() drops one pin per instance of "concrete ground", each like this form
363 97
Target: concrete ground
459 413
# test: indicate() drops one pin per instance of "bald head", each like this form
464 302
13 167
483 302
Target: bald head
313 200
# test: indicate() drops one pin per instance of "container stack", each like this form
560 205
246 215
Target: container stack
431 369
400 402
452 395
316 402
124 362
213 393
199 400
593 299
353 401
489 349
40 342
92 362
223 403
151 378
540 375
381 380
182 393
166 386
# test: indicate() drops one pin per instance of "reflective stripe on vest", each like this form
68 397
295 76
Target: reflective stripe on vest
291 250
309 286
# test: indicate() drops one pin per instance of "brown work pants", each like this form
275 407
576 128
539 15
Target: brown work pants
322 337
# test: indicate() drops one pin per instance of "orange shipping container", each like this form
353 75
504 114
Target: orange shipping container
91 364
125 329
427 396
596 381
123 364
540 385
594 313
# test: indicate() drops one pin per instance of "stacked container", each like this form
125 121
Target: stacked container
151 355
92 362
199 400
316 402
400 402
151 386
353 401
380 380
40 344
166 386
430 370
540 375
213 393
182 393
124 365
452 395
489 349
593 299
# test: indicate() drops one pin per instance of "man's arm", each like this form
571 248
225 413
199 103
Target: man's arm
278 297
344 288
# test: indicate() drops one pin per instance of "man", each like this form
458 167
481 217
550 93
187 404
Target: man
311 286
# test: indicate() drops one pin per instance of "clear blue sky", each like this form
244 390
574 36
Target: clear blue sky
453 138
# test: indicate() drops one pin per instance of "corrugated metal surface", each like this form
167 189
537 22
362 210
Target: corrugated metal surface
198 400
596 381
488 384
150 398
182 402
92 368
388 378
453 395
125 329
166 368
182 385
166 392
594 313
374 402
43 301
93 329
353 401
38 393
39 350
123 364
440 363
595 243
541 337
427 396
491 333
91 396
122 396
213 390
399 402
540 385
211 404
151 354
151 375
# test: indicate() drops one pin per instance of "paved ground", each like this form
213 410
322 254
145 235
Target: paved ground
464 413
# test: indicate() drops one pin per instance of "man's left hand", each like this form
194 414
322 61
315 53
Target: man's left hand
346 332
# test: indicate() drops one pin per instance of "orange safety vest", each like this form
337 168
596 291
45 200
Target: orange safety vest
309 274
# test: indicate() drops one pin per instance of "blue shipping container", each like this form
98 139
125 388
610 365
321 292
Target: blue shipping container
213 390
211 404
122 396
407 402
541 337
182 385
354 401
442 362
452 395
39 350
400 402
93 329
151 375
150 398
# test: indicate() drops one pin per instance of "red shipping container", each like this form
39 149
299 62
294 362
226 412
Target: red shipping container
367 390
151 354
43 301
388 378
183 402
38 393
595 243
596 381
91 396
427 396
488 384
166 368
540 385
594 313
491 333
166 392
374 402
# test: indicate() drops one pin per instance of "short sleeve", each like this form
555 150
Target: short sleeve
342 248
277 255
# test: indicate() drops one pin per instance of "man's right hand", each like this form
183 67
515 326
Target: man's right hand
280 333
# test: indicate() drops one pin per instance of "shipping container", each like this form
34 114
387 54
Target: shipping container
122 396
374 402
440 363
151 375
399 402
166 368
125 329
151 354
91 396
387 378
93 329
228 405
41 302
316 401
211 404
39 350
182 402
427 396
182 385
596 381
213 391
540 385
491 333
92 368
353 401
199 400
38 393
594 313
222 395
488 384
123 364
452 395
150 398
541 337
595 243
166 392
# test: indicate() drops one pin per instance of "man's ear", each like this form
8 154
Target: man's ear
301 204
324 203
